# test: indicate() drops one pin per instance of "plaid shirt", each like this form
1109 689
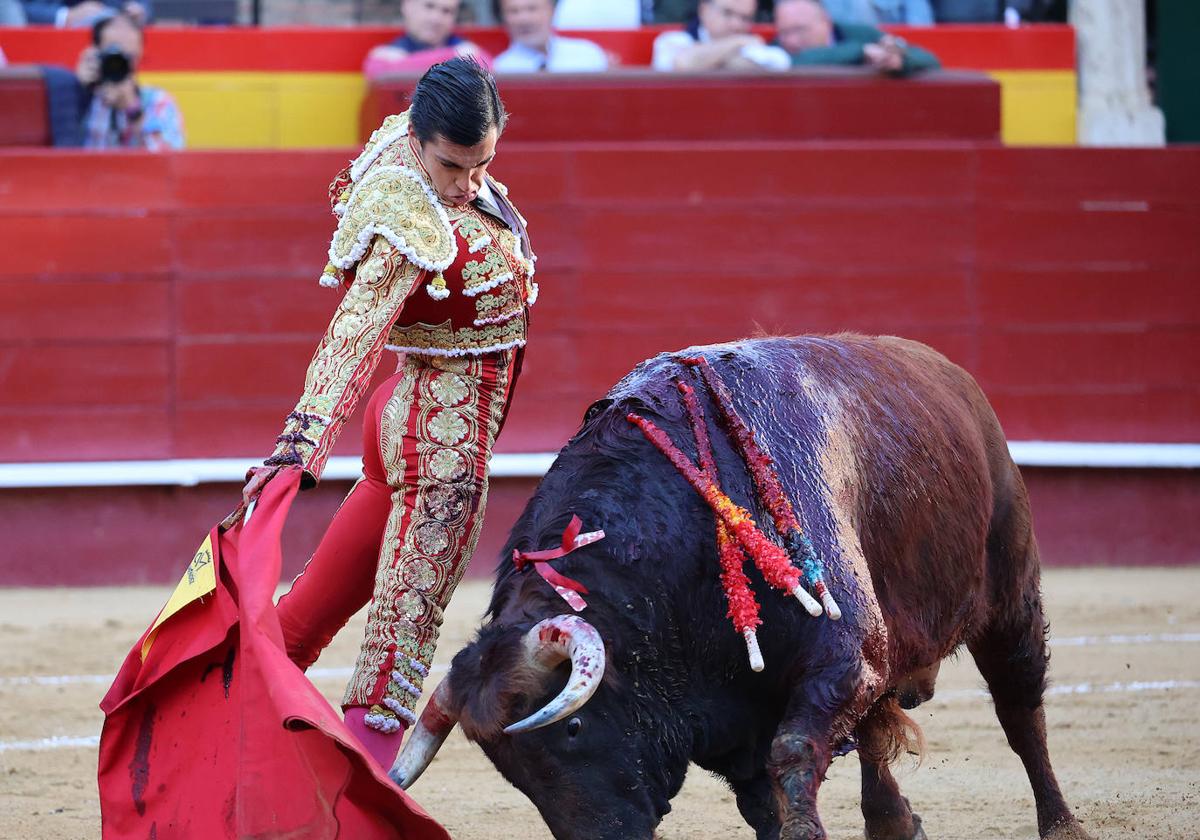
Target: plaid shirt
161 126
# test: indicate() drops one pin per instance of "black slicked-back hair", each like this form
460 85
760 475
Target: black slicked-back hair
102 22
456 100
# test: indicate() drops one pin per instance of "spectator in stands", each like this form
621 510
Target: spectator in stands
428 38
968 11
719 38
876 12
477 12
621 14
805 29
122 113
674 11
11 13
83 12
600 14
994 11
535 46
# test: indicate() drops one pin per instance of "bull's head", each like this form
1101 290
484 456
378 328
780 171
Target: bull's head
582 766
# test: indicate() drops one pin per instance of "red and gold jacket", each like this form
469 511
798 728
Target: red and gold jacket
419 277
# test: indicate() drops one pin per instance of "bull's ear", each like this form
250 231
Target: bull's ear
490 681
595 409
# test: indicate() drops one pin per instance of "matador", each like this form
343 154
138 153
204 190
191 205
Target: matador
436 266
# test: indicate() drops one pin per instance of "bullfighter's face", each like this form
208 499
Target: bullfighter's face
458 172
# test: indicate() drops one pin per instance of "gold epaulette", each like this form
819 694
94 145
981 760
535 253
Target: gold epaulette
392 129
394 202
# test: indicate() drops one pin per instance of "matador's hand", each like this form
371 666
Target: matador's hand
258 478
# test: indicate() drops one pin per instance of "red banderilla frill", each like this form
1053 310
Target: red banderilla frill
770 490
772 561
743 606
570 590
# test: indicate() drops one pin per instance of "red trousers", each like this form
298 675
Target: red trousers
405 533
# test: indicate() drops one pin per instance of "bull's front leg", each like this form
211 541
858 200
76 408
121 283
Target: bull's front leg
823 710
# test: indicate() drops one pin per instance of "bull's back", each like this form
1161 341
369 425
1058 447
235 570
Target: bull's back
889 453
887 441
930 458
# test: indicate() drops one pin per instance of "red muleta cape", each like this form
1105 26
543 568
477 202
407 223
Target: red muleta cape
211 732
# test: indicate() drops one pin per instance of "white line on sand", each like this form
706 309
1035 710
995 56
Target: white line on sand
1135 687
60 742
106 679
343 673
1121 639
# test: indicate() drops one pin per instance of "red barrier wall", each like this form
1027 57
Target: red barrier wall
159 306
24 120
166 306
84 537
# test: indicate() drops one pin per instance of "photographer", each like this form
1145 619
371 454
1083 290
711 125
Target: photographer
71 13
121 113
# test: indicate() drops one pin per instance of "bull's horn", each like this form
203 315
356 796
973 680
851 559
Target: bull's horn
434 725
548 643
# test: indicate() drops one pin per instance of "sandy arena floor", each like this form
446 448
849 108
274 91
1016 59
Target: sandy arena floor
1124 725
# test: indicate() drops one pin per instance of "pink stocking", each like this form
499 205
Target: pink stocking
382 748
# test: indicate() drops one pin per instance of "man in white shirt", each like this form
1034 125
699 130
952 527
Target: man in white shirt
535 46
601 14
719 39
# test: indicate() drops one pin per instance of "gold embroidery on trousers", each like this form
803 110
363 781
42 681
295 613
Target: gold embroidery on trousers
424 556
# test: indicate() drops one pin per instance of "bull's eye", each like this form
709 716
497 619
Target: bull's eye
573 726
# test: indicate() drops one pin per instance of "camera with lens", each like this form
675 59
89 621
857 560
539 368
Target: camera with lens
115 65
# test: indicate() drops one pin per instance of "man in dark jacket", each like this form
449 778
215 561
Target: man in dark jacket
811 37
83 12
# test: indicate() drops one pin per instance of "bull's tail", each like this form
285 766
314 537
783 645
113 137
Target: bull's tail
887 732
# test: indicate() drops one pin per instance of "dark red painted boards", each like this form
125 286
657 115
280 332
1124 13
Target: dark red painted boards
1064 279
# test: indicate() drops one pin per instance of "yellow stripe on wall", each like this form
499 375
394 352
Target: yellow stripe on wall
312 110
1037 107
266 110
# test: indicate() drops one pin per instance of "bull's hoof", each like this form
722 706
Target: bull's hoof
802 828
888 830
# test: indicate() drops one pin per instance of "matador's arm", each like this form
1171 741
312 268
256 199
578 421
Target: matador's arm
346 358
391 231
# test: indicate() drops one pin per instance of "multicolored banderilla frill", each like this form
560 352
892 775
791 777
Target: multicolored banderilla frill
737 533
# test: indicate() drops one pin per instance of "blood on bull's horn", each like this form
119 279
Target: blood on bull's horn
547 644
434 725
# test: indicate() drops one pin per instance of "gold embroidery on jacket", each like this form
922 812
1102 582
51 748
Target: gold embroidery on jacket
341 368
497 305
394 202
444 338
481 274
470 229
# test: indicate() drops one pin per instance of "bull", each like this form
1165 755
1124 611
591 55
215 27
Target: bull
898 469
